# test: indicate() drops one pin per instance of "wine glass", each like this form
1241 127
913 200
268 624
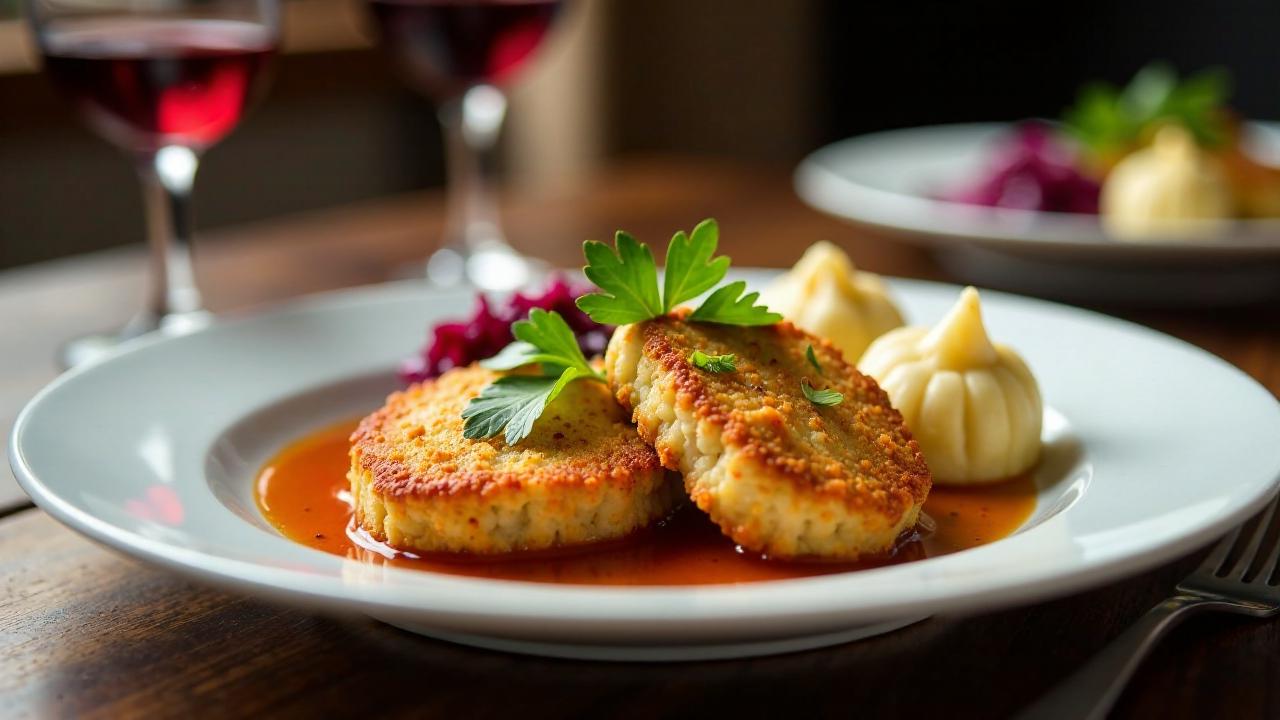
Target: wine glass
163 80
459 52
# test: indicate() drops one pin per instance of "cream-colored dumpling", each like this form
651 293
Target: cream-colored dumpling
973 405
1172 188
827 296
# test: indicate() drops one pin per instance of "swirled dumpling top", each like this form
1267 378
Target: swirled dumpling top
827 296
972 405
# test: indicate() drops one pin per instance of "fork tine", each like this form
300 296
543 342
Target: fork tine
1270 571
1218 556
1246 558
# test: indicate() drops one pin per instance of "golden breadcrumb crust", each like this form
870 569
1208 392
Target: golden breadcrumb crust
778 474
582 475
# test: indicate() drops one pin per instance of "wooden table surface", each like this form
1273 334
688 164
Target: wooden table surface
86 632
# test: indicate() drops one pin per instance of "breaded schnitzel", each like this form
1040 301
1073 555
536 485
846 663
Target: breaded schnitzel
778 473
582 475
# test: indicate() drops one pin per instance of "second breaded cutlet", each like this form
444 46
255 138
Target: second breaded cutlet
582 475
779 474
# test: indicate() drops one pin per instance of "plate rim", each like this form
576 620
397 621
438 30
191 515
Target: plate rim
819 184
274 582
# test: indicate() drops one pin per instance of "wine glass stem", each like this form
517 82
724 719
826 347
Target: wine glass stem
167 179
471 125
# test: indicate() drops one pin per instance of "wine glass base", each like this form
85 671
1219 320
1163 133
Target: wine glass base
92 348
86 350
493 269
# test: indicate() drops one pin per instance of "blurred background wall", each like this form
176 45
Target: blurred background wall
761 81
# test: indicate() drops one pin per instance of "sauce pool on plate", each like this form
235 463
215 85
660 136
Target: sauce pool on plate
303 492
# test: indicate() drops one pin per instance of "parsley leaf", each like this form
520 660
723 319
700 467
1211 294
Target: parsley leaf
517 354
820 397
690 269
628 277
629 281
549 333
813 359
724 306
629 292
713 363
1107 119
513 403
544 338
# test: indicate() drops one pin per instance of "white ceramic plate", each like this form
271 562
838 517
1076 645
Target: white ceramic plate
1154 447
888 181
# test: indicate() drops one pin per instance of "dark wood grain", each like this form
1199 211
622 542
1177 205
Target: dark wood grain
85 632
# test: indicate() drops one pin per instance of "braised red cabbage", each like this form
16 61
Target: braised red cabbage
488 330
1031 169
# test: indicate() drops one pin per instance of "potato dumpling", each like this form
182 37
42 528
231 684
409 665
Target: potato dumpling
1171 189
973 405
826 295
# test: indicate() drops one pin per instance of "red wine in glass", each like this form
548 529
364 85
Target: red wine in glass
164 81
448 46
147 83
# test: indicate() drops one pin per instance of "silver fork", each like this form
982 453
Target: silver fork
1222 582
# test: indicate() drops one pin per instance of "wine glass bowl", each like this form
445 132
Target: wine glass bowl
147 83
163 81
460 53
447 46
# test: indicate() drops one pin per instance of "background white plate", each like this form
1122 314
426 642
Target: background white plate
888 181
1154 447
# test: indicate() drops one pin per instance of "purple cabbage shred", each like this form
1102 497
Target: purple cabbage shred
488 330
1031 169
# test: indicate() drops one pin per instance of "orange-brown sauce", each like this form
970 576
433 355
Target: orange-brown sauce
303 492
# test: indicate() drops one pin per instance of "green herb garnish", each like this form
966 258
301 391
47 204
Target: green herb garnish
1108 120
628 277
544 338
714 363
514 402
820 397
813 359
728 306
691 270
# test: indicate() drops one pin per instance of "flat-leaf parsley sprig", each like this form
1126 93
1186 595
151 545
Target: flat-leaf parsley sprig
813 359
513 402
822 398
713 363
627 276
545 339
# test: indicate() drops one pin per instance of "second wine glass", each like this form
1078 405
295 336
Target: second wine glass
460 53
162 81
